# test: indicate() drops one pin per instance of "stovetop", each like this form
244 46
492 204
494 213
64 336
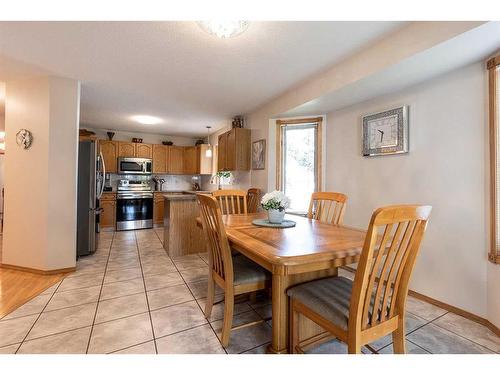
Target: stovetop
133 185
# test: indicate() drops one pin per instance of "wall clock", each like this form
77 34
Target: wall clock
24 138
386 133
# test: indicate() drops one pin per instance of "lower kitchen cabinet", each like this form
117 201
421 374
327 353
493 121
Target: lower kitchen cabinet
107 219
158 208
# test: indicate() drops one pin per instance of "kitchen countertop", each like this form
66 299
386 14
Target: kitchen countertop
166 191
186 195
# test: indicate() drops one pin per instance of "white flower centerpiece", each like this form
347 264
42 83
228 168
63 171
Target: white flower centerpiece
275 203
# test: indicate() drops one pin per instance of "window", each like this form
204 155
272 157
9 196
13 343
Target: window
493 66
299 160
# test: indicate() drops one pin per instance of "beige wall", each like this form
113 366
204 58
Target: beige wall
446 168
40 183
415 38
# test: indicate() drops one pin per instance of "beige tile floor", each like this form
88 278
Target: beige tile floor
131 298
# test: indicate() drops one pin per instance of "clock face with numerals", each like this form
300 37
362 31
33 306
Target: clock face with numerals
386 132
383 132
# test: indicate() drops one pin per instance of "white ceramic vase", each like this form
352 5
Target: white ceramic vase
276 216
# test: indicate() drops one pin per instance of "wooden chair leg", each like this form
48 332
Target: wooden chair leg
398 337
210 298
353 344
294 329
228 317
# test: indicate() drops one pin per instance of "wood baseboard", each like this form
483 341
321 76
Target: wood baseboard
38 272
447 307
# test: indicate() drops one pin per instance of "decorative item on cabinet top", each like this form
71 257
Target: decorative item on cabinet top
136 140
238 122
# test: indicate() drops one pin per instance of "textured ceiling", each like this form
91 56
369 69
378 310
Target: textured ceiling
175 70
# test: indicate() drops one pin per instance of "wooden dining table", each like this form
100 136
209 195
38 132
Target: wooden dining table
308 251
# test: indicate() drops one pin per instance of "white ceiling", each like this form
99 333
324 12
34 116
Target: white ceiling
472 46
174 70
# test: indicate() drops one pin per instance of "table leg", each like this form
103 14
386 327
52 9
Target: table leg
279 343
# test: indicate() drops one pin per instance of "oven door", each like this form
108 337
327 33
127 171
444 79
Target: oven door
134 211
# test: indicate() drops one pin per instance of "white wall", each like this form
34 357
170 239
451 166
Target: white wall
446 168
40 183
408 41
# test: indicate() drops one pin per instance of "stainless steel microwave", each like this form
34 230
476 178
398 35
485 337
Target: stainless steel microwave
135 166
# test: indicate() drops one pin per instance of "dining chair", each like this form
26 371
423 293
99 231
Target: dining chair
235 275
231 201
327 207
253 199
373 305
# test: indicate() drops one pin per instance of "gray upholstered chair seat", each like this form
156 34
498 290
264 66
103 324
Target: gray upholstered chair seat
329 297
246 271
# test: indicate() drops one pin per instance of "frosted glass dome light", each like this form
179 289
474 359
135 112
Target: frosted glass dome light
224 29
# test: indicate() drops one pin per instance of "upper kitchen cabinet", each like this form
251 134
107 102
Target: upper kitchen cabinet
143 150
190 160
160 159
109 150
126 150
234 150
175 163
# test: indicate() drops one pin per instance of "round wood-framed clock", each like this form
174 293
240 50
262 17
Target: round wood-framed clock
24 138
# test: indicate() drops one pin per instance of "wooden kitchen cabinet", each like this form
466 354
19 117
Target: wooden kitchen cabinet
160 159
175 164
222 152
158 208
190 164
143 150
107 219
109 150
234 150
126 150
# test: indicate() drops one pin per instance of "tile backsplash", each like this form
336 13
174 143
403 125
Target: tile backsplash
239 180
172 182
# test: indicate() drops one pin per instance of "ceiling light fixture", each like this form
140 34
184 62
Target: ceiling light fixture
208 152
147 120
224 29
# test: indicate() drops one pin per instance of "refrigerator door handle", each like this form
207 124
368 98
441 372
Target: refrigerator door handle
103 174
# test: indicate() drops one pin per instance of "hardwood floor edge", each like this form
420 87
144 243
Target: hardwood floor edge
453 309
37 271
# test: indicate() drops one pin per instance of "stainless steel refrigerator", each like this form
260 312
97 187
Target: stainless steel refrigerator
91 172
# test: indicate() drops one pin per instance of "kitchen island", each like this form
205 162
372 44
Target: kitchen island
181 235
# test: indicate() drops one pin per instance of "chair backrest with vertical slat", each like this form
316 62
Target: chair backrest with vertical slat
389 252
219 251
231 201
253 198
327 207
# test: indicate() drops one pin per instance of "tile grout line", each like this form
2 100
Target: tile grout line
146 293
182 277
38 317
99 296
459 335
427 322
